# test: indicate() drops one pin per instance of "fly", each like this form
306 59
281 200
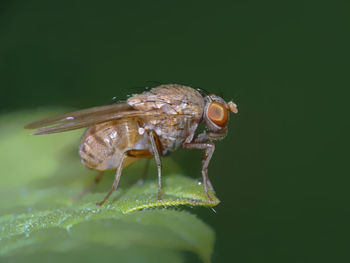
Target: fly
146 125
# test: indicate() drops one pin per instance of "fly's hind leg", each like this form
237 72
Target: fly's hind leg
116 180
88 188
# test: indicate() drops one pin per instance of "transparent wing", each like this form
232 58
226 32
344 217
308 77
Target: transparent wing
82 118
88 117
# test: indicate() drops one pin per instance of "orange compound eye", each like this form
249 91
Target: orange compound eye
218 114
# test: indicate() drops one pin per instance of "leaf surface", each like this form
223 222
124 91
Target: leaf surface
38 218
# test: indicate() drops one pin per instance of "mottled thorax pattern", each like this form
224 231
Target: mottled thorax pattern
170 99
183 107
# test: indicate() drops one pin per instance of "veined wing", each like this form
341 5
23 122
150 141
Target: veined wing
88 117
80 114
82 118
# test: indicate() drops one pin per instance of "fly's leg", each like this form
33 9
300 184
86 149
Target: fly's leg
88 188
210 184
209 148
116 180
158 162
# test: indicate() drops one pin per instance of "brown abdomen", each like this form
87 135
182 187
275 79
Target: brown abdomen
103 145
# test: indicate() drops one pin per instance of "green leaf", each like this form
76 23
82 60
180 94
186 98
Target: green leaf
38 218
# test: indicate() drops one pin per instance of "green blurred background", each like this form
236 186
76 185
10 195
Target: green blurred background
281 172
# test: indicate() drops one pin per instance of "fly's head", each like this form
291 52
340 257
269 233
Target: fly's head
216 116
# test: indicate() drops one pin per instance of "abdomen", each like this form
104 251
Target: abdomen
103 145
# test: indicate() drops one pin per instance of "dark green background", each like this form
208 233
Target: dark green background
282 172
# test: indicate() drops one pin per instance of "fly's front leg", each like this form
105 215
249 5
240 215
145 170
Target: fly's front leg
201 138
209 148
152 136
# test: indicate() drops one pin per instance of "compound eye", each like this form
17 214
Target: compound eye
218 114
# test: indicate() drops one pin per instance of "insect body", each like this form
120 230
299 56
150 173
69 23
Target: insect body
147 125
